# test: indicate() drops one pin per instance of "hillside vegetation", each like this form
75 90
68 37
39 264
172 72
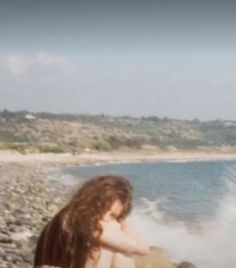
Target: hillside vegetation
46 132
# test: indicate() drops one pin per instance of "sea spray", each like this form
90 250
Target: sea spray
187 208
208 244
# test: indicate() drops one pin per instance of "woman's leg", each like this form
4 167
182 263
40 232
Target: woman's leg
101 259
107 258
121 261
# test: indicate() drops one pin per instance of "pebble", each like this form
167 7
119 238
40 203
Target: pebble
24 212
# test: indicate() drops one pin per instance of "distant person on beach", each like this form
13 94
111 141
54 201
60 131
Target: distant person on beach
91 231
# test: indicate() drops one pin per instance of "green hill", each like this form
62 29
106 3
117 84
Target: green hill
46 132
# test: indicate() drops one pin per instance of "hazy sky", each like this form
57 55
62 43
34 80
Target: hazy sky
164 58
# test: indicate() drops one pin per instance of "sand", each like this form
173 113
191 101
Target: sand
110 157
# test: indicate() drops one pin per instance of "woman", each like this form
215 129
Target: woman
91 230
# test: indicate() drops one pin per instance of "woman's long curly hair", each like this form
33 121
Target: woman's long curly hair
72 235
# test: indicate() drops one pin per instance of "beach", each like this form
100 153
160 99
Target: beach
110 157
29 200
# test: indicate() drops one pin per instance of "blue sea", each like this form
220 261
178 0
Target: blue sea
186 208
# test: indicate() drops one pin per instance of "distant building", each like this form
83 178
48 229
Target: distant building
229 123
87 150
30 117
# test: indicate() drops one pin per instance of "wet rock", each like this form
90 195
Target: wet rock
186 264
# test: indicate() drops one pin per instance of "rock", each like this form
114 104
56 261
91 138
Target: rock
155 259
186 264
4 238
2 253
28 258
24 235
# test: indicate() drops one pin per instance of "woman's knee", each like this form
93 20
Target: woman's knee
120 261
102 258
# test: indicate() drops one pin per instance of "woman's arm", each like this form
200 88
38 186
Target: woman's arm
129 230
118 237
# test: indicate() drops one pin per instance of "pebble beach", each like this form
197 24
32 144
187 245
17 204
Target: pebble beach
28 201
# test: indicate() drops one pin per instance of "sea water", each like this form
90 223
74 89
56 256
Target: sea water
186 208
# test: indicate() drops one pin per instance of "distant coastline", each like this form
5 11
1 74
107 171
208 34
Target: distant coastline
33 133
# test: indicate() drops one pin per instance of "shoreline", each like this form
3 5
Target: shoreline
29 200
27 203
112 157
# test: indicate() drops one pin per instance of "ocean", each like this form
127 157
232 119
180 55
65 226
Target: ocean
186 208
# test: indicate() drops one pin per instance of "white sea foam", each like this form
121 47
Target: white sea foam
210 245
57 175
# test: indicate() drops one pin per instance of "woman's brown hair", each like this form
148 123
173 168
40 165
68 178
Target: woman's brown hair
72 235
